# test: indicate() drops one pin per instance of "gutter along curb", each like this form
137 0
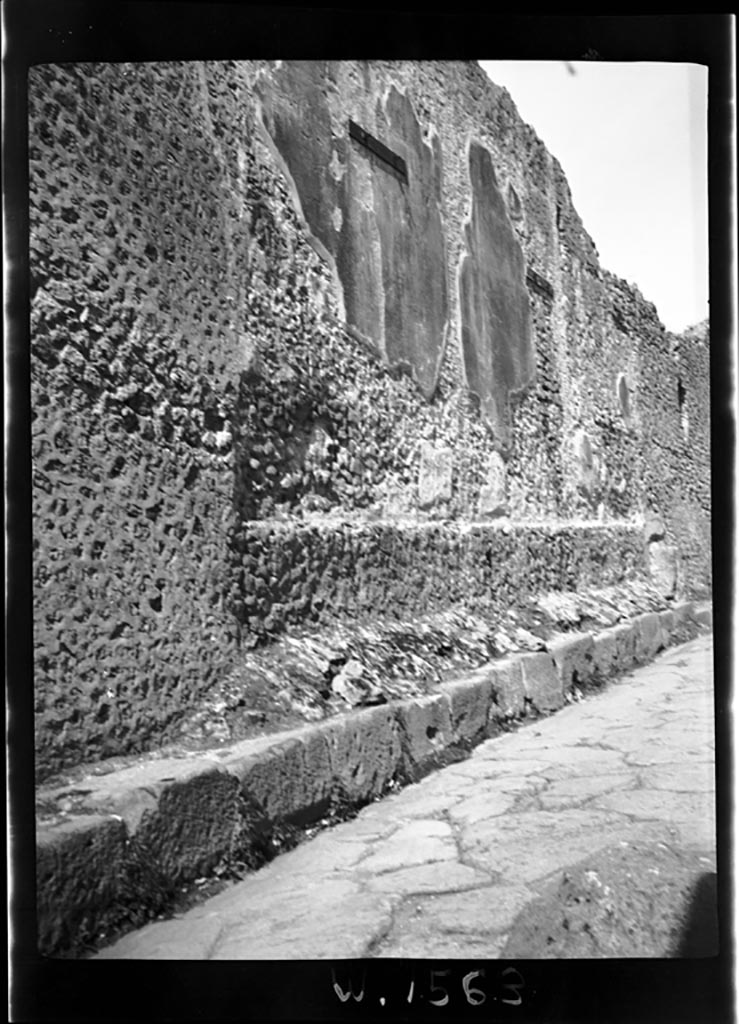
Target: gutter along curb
135 836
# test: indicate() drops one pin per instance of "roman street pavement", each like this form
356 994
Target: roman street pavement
588 833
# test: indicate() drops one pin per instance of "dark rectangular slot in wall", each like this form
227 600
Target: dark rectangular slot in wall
397 163
539 284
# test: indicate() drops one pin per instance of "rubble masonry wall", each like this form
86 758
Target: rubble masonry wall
241 422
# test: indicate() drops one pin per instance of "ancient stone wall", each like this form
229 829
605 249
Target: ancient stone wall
277 303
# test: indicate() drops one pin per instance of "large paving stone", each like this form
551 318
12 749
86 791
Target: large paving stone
691 778
418 801
533 844
691 810
483 805
418 842
455 925
335 920
427 946
574 791
439 877
168 940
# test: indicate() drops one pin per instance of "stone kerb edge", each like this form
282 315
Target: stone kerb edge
228 803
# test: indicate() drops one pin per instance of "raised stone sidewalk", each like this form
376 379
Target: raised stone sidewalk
590 831
123 839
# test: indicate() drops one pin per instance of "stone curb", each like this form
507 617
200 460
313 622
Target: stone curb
139 833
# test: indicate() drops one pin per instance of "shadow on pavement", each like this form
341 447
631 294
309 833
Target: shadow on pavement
700 935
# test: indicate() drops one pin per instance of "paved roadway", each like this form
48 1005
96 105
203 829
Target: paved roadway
590 833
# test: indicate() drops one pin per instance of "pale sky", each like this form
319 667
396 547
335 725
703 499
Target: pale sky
632 140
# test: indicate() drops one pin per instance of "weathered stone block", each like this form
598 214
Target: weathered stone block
493 494
586 466
194 825
573 656
80 865
650 637
426 731
434 476
506 681
668 621
364 751
398 500
277 779
614 650
664 567
470 700
541 682
683 612
605 653
703 614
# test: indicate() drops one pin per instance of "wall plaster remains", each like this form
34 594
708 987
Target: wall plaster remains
283 375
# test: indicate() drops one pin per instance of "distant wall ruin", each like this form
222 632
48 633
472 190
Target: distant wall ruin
273 358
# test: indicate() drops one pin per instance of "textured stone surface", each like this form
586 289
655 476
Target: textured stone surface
496 332
664 567
457 857
470 700
493 493
610 906
197 397
614 649
434 476
80 874
405 570
506 678
650 636
425 730
326 921
573 656
542 683
175 818
365 752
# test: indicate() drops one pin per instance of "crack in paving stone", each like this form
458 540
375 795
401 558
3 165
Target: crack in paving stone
583 790
418 842
453 925
527 846
427 879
